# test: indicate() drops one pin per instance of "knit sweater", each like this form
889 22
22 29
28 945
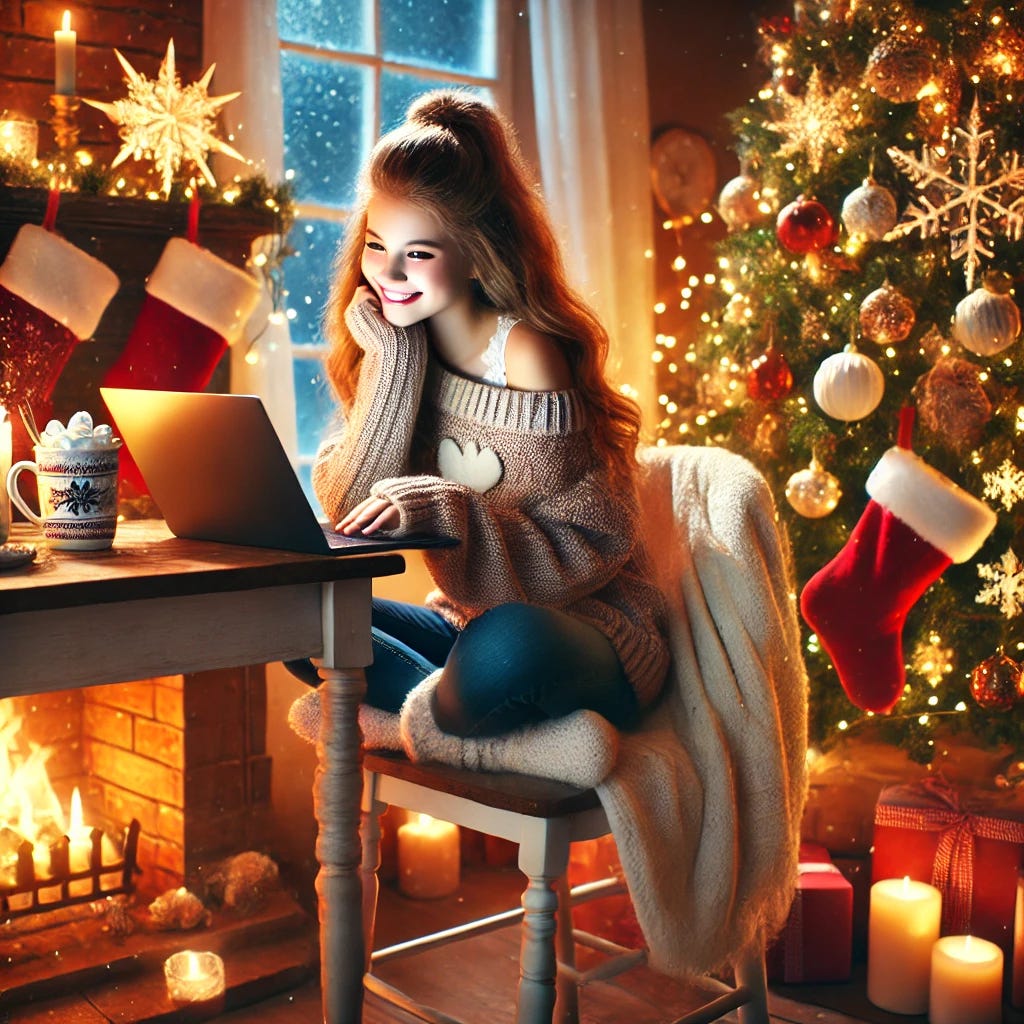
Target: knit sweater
513 477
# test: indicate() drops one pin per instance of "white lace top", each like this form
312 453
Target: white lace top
494 355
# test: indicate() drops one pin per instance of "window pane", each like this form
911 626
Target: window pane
452 35
327 116
397 91
314 404
308 276
327 23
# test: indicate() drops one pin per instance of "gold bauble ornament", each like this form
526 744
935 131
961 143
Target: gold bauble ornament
952 402
997 683
900 67
887 316
813 492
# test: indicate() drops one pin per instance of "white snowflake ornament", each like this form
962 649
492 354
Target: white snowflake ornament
164 122
979 192
1005 484
1005 584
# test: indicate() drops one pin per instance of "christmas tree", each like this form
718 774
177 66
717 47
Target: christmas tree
874 245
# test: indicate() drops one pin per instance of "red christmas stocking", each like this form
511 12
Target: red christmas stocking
195 305
52 294
917 523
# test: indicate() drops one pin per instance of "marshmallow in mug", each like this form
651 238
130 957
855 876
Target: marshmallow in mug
79 433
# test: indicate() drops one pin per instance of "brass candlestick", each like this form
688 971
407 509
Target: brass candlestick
64 123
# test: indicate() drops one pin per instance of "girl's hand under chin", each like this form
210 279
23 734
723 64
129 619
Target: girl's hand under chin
364 293
368 517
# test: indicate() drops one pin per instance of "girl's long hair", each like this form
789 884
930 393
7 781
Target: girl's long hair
456 156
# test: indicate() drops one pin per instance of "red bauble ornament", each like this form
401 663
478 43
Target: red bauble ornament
805 226
770 376
997 683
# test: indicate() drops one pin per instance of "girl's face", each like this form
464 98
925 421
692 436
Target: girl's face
416 268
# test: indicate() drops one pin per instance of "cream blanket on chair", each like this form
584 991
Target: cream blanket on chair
705 798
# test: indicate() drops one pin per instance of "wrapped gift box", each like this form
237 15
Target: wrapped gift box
923 831
815 944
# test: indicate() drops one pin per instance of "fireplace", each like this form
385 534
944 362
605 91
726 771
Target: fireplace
184 756
177 764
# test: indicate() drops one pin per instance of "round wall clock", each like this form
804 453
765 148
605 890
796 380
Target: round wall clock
683 173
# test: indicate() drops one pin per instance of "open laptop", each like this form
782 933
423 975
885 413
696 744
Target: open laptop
217 471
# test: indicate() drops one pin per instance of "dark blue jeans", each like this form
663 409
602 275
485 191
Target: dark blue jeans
517 664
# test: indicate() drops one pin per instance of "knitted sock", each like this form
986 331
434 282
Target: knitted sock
579 748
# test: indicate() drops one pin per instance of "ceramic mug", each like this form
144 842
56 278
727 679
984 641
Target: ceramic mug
77 495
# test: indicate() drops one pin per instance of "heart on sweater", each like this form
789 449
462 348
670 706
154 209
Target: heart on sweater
476 467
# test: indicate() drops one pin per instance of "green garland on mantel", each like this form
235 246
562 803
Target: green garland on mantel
253 193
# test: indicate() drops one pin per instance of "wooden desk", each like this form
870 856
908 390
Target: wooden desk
156 605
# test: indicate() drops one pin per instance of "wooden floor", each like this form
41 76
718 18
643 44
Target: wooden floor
474 980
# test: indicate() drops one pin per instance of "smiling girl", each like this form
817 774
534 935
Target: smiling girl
473 405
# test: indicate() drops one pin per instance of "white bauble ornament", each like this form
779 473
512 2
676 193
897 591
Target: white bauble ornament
739 203
813 492
848 385
986 322
869 212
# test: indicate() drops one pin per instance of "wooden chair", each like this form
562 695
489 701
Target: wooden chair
542 817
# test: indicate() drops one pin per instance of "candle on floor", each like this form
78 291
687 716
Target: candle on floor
428 858
967 981
64 40
903 924
194 977
1017 976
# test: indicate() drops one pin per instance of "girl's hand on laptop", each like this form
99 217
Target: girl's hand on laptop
368 517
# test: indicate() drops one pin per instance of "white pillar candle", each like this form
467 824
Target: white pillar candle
194 977
967 981
64 40
428 858
903 925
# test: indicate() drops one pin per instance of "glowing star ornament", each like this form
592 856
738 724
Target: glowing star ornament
817 122
167 123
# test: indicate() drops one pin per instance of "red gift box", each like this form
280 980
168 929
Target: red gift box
922 831
816 942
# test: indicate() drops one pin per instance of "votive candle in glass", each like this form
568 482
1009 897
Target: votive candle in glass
194 977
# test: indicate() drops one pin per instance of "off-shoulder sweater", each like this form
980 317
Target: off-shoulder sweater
513 477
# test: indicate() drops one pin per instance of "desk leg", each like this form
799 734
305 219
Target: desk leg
336 801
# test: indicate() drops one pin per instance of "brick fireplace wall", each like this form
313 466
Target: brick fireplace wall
140 29
184 755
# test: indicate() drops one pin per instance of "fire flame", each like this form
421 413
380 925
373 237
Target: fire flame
29 807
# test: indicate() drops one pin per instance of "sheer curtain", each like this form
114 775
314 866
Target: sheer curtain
242 40
589 73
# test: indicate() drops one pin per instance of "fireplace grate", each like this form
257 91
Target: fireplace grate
64 887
